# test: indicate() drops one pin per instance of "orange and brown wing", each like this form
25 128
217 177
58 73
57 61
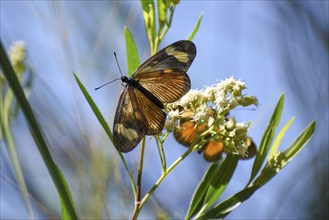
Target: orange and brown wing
154 116
167 85
164 74
213 151
130 124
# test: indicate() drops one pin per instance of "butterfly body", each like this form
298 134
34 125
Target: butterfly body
160 79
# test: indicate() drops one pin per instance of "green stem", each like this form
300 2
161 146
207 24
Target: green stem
8 137
139 181
161 153
163 176
6 101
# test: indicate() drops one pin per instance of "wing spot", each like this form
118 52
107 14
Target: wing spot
128 133
179 55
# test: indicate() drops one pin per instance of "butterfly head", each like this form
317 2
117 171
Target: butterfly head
129 81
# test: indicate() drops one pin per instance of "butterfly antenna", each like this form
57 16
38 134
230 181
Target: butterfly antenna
106 83
116 59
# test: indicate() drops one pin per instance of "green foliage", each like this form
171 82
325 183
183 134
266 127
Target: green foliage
55 173
132 52
275 162
105 126
163 21
212 185
196 28
8 113
267 138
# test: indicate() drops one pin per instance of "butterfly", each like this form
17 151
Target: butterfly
212 151
160 79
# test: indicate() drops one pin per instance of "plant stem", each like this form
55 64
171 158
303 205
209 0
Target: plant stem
162 177
139 181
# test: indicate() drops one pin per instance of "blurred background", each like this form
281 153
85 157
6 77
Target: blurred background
274 46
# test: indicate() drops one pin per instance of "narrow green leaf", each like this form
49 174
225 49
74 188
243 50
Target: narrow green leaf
267 138
196 28
132 52
274 165
221 179
36 132
95 109
149 21
175 2
200 192
162 13
65 211
105 126
224 208
279 137
300 142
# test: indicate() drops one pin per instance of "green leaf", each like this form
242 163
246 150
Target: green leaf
64 209
212 186
162 13
224 208
149 21
105 126
221 179
95 109
279 137
174 2
36 132
199 194
267 138
300 142
132 52
196 28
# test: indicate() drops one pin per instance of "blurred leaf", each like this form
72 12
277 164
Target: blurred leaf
65 211
196 28
35 130
105 126
278 139
132 52
162 12
175 2
267 138
149 21
16 165
199 194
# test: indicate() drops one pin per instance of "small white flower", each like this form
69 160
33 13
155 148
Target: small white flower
221 99
209 106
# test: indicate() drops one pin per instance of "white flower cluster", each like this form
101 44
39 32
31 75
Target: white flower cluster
220 98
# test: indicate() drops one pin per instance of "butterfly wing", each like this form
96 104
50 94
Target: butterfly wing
130 124
154 115
164 74
213 151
